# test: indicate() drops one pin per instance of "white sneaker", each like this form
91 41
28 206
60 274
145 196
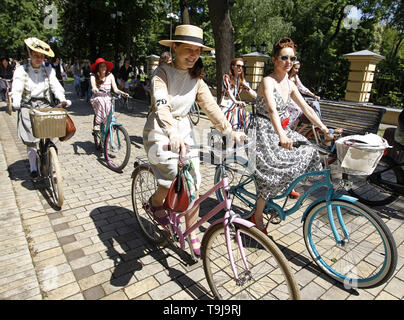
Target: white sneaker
96 127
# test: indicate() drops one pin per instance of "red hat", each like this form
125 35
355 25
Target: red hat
110 65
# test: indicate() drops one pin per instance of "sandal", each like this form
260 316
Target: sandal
294 195
264 230
197 252
162 220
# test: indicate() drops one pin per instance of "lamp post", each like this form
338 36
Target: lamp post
116 15
263 47
171 16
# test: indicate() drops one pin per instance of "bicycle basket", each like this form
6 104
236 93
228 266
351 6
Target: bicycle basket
360 154
48 122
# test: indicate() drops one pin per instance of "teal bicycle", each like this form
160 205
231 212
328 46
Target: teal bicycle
346 239
114 140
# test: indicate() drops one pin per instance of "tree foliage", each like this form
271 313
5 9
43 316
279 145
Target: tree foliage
86 29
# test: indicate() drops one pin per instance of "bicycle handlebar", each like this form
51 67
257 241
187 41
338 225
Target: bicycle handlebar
214 150
299 143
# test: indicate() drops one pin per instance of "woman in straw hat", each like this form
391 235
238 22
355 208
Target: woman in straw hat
32 85
102 80
174 88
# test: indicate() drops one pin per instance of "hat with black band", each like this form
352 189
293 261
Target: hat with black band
189 34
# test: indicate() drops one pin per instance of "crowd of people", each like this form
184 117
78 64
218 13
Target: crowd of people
176 84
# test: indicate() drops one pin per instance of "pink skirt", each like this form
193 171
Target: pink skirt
101 104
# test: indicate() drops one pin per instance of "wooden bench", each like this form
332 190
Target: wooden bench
354 119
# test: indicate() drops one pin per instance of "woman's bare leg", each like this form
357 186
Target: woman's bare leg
259 220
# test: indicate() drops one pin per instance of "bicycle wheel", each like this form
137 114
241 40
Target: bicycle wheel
194 113
9 104
242 185
117 148
144 185
263 272
97 140
367 254
55 176
373 194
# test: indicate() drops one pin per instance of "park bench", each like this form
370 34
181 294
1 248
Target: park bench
354 119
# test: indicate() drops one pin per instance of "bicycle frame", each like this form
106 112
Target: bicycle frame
331 195
105 128
227 220
376 179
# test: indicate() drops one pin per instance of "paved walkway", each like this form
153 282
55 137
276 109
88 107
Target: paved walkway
93 248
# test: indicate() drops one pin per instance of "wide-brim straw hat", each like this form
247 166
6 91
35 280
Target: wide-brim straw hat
187 33
40 46
110 65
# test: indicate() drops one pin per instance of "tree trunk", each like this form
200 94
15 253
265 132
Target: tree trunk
223 33
184 12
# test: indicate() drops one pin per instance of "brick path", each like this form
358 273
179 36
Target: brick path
93 248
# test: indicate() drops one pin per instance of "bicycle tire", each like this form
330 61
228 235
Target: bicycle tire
272 276
144 185
373 194
9 104
55 177
117 158
97 140
194 114
237 174
356 261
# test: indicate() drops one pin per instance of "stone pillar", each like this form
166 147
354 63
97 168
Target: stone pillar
363 65
152 63
254 71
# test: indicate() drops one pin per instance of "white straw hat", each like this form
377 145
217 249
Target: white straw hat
37 45
187 33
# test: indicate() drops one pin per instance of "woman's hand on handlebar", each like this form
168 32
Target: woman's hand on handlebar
238 136
65 104
285 142
178 145
95 90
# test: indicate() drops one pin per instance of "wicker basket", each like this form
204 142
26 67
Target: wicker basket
360 154
48 122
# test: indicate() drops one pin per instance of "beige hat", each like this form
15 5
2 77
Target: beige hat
39 46
187 33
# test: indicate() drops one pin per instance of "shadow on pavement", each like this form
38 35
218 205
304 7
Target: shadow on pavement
119 232
19 171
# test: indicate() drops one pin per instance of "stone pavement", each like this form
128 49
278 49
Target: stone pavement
93 249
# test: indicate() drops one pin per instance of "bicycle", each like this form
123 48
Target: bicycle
8 95
194 113
347 240
113 139
238 260
47 160
383 186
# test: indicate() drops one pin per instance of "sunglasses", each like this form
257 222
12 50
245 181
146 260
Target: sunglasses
291 58
239 65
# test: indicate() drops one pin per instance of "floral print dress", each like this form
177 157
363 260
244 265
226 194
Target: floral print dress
275 167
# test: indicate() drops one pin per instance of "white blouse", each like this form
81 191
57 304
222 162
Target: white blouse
35 84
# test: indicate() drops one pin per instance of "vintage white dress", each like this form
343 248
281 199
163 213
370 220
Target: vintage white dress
173 92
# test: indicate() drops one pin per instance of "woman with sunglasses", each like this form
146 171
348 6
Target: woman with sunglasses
294 111
275 167
233 84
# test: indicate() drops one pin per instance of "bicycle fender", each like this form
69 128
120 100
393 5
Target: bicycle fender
335 197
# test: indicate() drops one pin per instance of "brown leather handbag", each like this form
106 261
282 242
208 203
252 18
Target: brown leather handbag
178 198
70 129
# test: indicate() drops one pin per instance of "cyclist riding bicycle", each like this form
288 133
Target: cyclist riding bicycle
101 82
6 72
32 85
399 132
233 84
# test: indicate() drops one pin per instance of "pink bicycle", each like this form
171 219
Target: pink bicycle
239 261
